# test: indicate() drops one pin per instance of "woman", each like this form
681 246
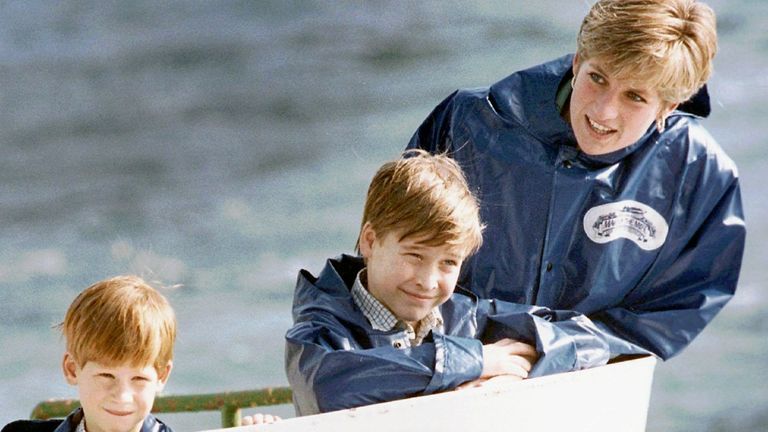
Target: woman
601 190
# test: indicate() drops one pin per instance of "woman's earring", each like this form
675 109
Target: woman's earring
660 124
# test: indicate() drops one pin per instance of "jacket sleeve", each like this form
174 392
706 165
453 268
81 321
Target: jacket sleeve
329 371
661 318
565 340
690 285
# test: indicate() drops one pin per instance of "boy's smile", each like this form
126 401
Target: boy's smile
114 398
407 276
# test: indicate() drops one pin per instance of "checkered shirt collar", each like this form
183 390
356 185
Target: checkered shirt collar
383 319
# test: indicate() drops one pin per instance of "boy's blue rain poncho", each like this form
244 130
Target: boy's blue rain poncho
335 360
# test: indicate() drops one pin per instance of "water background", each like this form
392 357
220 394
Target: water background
217 147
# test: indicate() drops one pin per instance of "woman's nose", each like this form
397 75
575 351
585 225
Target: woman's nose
606 107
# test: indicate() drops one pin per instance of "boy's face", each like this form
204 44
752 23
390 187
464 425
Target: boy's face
407 276
114 398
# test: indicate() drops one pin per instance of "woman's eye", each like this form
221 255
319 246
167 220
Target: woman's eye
636 97
597 78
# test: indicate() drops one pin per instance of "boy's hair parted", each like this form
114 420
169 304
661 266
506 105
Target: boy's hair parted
424 196
121 320
668 44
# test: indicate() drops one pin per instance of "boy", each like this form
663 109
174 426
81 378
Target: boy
119 339
388 325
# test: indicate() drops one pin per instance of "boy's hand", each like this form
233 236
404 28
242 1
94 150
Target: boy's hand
259 419
508 357
500 380
507 360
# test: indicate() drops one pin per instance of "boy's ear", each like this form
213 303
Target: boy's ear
69 367
163 375
367 238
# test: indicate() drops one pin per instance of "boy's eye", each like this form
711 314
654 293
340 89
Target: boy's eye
413 255
140 378
106 375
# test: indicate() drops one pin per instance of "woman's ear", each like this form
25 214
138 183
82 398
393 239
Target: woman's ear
668 108
575 64
665 111
69 367
367 238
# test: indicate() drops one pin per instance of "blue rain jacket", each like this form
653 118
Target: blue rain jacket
646 242
335 359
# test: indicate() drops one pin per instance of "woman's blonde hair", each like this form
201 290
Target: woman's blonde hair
424 196
119 321
667 44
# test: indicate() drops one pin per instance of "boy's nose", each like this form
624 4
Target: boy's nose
122 393
428 278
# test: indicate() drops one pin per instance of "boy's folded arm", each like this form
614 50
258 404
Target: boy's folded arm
565 340
328 370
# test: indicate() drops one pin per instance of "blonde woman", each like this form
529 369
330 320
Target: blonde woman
601 190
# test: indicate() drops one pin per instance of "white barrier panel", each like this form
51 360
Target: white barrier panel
608 398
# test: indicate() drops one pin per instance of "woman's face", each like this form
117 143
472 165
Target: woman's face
608 113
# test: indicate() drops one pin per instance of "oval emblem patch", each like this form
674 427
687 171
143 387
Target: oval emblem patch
629 220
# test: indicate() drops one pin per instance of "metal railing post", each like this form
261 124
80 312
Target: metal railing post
230 416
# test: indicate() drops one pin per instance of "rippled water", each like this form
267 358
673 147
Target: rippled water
218 147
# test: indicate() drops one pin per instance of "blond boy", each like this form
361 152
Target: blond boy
119 353
388 324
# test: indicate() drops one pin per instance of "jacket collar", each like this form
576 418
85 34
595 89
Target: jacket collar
70 423
531 94
330 291
151 424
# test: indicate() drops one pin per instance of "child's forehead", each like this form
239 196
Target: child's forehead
126 365
427 243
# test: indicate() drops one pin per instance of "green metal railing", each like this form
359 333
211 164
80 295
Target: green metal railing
228 403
